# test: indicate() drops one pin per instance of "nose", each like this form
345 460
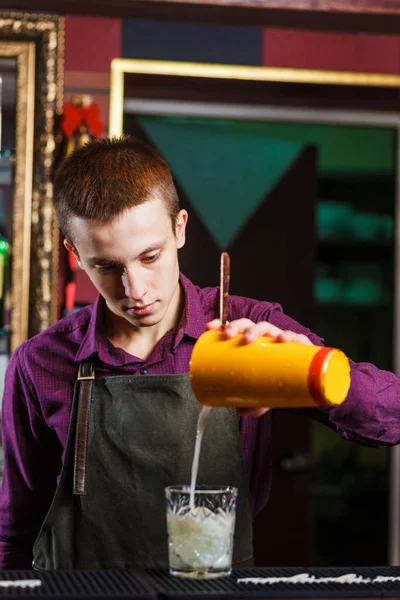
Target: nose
134 284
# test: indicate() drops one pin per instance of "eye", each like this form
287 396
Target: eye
151 257
108 268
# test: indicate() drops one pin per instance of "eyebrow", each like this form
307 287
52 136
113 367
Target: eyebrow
101 262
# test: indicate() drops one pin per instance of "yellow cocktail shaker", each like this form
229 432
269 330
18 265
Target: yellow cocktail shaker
267 373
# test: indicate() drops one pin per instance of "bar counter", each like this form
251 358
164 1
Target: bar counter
282 582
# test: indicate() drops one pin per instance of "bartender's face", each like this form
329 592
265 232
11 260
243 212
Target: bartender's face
133 261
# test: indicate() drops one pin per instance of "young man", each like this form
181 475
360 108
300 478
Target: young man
86 462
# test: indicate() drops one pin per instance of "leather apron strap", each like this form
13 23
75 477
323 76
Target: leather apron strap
86 375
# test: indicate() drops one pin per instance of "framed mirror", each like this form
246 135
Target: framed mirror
294 173
17 68
31 67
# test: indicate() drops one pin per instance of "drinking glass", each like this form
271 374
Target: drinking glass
200 533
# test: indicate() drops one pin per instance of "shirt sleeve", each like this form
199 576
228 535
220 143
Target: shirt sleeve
30 472
371 412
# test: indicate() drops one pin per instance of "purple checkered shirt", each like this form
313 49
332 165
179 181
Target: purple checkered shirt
39 388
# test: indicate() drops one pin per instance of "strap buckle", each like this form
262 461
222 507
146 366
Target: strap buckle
86 372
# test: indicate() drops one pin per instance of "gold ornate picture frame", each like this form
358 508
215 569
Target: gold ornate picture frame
24 52
170 69
37 42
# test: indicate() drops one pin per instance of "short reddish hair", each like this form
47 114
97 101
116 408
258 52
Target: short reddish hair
108 176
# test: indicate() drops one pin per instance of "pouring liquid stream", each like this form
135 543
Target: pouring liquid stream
201 426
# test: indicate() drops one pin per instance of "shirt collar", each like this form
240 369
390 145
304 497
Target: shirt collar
193 317
191 324
95 341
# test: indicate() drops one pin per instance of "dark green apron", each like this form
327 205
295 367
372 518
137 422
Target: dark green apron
141 435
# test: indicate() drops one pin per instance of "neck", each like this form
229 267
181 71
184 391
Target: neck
141 341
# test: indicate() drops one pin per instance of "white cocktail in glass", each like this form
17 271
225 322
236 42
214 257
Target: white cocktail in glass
200 533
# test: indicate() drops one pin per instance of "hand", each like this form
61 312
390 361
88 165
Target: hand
251 331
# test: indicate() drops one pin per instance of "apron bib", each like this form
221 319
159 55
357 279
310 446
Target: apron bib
141 436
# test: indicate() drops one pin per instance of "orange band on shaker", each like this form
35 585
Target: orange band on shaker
314 376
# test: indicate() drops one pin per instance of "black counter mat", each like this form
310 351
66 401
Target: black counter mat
119 584
147 586
227 587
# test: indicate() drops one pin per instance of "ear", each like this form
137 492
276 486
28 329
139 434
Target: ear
74 251
180 228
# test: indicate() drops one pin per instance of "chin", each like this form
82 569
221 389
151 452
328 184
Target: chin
145 320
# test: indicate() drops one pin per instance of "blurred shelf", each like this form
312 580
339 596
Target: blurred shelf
343 306
330 249
356 185
358 177
353 243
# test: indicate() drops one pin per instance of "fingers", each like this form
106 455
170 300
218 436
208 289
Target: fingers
238 326
252 331
233 328
290 336
252 412
215 325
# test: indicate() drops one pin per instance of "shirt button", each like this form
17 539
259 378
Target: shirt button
143 371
